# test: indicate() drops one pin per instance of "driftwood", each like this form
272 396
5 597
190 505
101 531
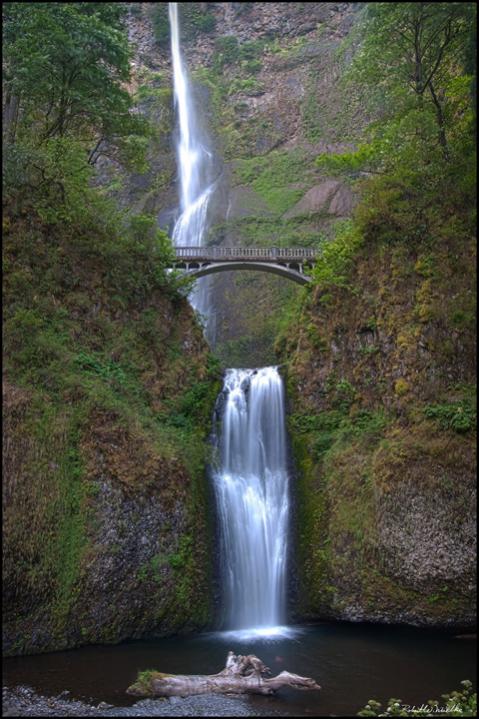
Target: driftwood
241 675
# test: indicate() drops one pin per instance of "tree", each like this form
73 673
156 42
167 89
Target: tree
410 54
65 69
413 68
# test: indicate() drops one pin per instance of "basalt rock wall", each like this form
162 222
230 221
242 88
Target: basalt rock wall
381 378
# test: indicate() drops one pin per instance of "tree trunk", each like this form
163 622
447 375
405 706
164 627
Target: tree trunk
10 118
241 675
440 123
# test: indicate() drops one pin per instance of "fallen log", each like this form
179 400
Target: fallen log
241 675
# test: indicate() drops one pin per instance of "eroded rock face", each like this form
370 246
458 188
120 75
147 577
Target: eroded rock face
105 509
386 497
135 539
129 557
426 537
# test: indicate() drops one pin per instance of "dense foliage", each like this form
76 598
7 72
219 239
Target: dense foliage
66 66
380 352
413 71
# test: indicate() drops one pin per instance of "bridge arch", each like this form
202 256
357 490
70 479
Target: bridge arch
276 269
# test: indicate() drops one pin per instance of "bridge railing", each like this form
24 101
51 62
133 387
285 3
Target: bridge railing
275 254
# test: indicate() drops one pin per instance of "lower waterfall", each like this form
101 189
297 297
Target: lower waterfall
252 494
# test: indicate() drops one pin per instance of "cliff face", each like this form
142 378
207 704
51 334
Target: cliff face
108 395
267 77
382 379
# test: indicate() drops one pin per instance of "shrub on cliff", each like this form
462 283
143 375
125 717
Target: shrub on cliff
461 703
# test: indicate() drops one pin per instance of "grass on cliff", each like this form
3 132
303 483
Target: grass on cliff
102 354
274 175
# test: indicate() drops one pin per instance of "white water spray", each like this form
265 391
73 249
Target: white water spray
195 164
251 487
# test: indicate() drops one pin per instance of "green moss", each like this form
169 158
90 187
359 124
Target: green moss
249 86
401 387
266 232
338 477
335 264
144 680
311 113
71 513
226 51
312 530
333 451
195 19
275 170
425 309
463 319
161 26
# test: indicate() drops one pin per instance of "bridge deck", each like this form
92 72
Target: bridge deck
304 255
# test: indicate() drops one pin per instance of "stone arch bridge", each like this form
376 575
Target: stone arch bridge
287 262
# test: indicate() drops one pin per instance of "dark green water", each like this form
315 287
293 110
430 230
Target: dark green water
351 662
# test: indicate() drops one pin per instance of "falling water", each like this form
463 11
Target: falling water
251 486
252 481
195 164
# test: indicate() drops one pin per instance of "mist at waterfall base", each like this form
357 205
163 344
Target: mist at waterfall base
196 168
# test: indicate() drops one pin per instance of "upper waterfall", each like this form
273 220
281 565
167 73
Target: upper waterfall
195 167
195 160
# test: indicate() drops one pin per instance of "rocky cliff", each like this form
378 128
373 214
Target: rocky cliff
109 386
381 376
108 395
268 81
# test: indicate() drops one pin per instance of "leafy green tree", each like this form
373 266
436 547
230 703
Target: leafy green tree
413 69
66 103
411 53
65 69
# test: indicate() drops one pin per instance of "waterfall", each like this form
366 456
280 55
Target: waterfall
251 483
195 164
251 487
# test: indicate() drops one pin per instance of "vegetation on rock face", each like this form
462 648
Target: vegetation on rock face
380 358
195 18
256 77
109 385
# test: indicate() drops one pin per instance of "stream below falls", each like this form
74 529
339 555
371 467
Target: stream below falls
351 662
